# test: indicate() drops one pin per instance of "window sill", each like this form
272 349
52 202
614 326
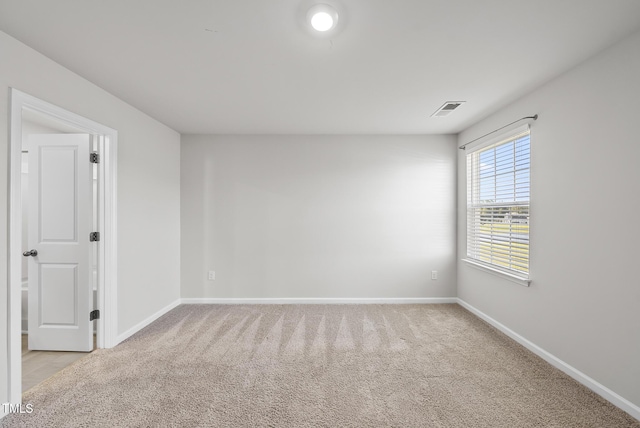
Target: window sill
497 272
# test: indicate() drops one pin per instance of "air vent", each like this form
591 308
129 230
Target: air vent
447 108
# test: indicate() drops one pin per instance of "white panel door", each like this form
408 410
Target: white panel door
59 223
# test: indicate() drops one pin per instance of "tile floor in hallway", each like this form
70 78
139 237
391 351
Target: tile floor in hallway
40 365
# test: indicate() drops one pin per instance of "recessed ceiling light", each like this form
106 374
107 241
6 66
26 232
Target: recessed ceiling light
322 17
322 21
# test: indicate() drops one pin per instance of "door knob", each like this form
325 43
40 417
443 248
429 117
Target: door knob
30 253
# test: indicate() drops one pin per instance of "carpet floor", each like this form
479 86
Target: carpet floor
316 366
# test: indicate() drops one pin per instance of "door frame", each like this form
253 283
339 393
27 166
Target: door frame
106 328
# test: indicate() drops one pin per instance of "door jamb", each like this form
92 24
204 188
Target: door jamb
106 327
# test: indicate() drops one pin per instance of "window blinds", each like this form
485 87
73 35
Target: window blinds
498 198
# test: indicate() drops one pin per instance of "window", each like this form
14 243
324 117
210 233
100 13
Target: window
498 201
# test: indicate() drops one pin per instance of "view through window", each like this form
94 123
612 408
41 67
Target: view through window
498 202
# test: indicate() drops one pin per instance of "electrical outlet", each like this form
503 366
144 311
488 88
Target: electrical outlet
434 274
212 275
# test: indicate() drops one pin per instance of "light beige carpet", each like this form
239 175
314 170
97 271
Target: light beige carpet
310 366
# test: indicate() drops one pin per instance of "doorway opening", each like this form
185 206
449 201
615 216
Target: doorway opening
54 293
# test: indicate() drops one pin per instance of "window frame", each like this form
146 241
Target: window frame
506 137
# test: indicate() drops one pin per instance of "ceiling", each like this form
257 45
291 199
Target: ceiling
252 67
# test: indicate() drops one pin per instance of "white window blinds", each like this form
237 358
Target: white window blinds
498 203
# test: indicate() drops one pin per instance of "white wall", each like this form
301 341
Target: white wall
583 305
318 216
148 185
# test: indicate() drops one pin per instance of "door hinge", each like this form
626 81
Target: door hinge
94 157
94 315
94 236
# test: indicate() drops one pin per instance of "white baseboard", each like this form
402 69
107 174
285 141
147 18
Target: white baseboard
576 374
142 324
317 301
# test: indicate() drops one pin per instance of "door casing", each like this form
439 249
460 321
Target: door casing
106 328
